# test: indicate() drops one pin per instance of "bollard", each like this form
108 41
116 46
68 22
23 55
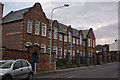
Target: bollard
35 68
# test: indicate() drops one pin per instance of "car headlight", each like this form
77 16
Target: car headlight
1 74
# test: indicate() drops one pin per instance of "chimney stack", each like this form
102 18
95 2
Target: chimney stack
1 10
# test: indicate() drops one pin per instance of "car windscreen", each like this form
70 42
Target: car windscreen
6 64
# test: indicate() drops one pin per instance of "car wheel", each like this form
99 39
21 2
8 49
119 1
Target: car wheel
30 76
7 78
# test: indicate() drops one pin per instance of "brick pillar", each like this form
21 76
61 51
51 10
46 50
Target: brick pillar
53 64
117 57
100 59
94 59
68 60
78 59
109 58
86 58
105 58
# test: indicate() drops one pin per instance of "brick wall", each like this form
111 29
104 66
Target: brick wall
42 60
12 35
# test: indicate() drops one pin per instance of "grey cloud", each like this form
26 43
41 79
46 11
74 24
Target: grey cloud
109 32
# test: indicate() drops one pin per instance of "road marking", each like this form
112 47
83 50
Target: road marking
72 76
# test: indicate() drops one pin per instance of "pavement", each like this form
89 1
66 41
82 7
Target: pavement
109 70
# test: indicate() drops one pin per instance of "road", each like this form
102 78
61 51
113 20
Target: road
99 71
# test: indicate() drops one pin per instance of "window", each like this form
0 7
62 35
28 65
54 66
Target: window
74 40
83 53
37 27
89 54
65 51
104 49
43 46
43 29
73 52
70 37
48 49
91 42
80 40
65 38
60 52
88 41
17 65
80 53
49 34
83 43
70 53
55 32
55 50
24 64
60 37
29 26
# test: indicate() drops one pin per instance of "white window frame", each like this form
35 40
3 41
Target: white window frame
60 37
49 49
55 49
70 37
29 26
83 43
73 40
89 54
65 38
37 27
76 41
80 40
43 46
55 33
88 41
73 53
65 51
77 51
44 34
91 42
80 53
60 48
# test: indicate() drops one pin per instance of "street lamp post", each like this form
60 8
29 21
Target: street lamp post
65 5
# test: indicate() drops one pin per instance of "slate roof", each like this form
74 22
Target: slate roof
85 33
75 32
14 15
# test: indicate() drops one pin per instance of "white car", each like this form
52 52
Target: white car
15 70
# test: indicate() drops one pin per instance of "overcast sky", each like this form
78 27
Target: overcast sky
101 16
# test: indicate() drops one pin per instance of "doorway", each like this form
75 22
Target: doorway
34 59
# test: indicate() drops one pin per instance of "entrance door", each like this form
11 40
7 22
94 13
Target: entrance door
34 57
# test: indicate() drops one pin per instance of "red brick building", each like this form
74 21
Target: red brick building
31 25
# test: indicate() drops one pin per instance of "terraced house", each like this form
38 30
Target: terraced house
31 25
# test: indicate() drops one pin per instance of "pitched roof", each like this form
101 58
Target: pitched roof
14 15
75 32
63 28
85 33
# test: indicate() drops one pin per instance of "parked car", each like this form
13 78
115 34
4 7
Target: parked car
15 70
